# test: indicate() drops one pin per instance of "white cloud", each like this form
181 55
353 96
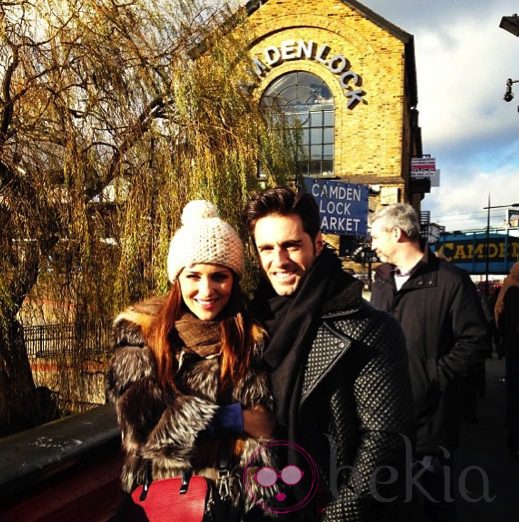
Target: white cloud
459 204
463 60
461 82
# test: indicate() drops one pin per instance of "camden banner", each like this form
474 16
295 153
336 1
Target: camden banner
343 206
469 251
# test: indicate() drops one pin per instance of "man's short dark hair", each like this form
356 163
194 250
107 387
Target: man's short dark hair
286 202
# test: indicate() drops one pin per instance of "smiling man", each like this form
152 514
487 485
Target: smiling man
286 251
338 368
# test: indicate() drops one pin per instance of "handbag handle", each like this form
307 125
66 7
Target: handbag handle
184 486
223 480
186 477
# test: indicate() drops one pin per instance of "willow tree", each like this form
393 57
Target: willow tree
112 115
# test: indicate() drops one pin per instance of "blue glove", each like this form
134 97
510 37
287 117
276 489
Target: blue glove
228 420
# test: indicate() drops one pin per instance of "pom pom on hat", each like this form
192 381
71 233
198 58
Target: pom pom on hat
204 238
198 209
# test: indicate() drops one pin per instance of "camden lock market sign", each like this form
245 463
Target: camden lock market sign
343 207
310 50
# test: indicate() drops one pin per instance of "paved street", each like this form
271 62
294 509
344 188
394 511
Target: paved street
483 445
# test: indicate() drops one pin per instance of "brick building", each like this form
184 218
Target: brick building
348 75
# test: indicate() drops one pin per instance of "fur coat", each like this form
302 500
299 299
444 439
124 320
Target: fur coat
164 427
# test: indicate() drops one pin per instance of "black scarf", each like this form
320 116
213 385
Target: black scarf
292 322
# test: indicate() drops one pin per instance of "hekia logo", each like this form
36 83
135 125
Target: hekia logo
267 477
273 490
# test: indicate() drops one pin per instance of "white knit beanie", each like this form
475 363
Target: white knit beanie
204 238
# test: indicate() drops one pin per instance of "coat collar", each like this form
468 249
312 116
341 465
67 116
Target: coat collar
344 295
328 348
423 275
329 345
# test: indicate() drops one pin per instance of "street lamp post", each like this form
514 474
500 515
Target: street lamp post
509 95
487 257
510 24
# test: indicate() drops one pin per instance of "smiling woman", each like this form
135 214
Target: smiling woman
185 377
206 289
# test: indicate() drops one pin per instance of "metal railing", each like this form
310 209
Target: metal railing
53 340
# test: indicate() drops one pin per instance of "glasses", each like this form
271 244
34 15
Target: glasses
267 477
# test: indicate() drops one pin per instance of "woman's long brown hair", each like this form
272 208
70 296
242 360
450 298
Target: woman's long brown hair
238 335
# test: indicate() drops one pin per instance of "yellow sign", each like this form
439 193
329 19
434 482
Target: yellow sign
469 251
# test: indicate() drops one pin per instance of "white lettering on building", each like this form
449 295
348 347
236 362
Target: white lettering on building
309 50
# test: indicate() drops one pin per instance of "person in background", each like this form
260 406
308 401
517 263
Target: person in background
439 310
185 376
507 321
338 368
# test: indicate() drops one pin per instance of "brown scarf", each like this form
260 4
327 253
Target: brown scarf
200 337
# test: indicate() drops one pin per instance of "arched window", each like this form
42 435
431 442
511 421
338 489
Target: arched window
305 103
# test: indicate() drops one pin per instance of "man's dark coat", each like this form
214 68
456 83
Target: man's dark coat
354 413
446 336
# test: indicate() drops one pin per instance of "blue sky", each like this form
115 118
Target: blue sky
463 59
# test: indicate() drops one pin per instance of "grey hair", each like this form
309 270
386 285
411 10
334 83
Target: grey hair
399 215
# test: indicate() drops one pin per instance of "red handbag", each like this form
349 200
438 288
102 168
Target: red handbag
174 499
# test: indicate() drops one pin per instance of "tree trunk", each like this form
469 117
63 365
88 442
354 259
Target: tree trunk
19 408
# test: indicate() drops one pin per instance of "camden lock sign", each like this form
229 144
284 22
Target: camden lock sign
310 50
343 207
